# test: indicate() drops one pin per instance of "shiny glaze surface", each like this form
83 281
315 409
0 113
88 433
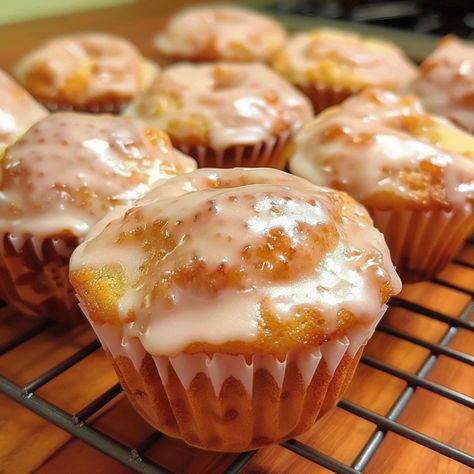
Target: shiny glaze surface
224 258
344 59
386 150
222 104
70 169
214 33
18 110
446 82
84 68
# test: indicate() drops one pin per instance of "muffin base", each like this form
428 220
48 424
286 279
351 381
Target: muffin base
423 242
234 421
323 97
271 154
34 277
227 403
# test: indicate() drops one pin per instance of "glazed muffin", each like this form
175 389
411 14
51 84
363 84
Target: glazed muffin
91 72
413 171
18 111
331 65
59 179
225 114
214 33
446 82
235 304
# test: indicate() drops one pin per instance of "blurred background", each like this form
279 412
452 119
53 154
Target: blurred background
419 16
414 25
12 11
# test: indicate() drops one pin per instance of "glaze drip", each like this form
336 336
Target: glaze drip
215 33
85 68
382 148
219 256
446 82
222 104
70 169
340 58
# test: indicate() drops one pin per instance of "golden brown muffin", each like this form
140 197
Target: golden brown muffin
93 72
225 114
413 171
59 179
234 304
331 65
445 82
215 33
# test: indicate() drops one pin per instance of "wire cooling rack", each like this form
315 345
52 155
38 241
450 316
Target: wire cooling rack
77 423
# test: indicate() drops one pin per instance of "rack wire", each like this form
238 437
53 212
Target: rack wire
77 423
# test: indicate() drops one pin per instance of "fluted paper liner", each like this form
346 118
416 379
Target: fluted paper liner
227 403
323 96
114 107
271 154
423 242
34 276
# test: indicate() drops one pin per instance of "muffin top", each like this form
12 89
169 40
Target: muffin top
446 82
238 261
214 33
84 70
18 110
385 150
343 59
70 169
222 104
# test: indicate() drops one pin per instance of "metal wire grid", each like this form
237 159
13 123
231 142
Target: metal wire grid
76 424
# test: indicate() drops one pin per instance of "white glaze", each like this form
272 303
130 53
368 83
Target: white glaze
70 169
215 217
220 33
18 110
86 67
352 147
241 104
446 82
340 58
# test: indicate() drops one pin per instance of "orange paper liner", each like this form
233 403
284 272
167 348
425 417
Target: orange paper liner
34 277
100 107
423 242
322 96
272 153
226 403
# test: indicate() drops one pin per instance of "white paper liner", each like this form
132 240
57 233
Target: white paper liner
263 154
31 282
220 367
423 242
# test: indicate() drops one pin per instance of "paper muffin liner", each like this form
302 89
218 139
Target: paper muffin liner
225 402
114 107
323 96
272 153
423 242
34 276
